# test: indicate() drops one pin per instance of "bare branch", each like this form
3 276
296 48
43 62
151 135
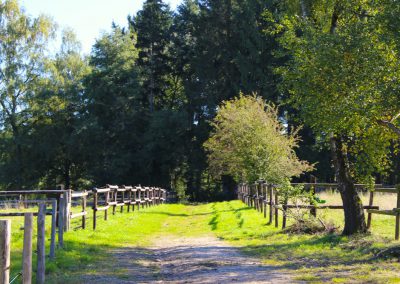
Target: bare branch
395 117
389 125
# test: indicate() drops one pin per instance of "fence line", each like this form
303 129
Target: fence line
262 195
110 196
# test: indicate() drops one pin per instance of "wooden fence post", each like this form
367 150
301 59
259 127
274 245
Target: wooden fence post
276 209
371 203
271 204
106 204
27 249
69 208
139 197
257 196
61 216
398 214
114 200
5 239
94 209
247 195
41 256
313 210
53 229
130 200
65 211
122 201
261 197
84 210
284 213
252 203
265 194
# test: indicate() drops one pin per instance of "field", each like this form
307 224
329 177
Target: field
89 256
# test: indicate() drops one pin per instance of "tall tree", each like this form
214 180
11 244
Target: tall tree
183 51
115 117
152 25
55 115
221 50
330 81
22 48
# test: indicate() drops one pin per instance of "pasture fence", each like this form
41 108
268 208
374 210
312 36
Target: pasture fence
62 211
264 197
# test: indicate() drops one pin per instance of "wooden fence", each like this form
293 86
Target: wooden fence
263 196
113 196
62 201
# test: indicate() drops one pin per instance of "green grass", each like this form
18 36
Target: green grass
311 258
325 257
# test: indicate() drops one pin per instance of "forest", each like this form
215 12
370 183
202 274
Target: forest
138 109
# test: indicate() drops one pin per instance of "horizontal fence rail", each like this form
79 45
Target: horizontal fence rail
112 196
264 197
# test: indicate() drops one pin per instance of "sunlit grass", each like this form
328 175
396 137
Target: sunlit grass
324 257
312 258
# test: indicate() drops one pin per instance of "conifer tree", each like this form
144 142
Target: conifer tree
152 25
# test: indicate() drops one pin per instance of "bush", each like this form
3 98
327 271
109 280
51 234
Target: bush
250 143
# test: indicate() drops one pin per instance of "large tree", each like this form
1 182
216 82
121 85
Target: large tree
152 25
23 45
115 116
56 116
333 48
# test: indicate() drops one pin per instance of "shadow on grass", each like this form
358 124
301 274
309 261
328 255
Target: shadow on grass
214 222
193 214
79 262
166 213
192 263
316 251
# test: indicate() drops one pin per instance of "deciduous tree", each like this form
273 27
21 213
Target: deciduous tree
250 143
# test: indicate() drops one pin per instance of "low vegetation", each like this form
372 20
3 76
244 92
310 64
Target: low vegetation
250 143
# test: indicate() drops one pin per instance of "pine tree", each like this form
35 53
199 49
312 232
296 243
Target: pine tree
152 25
115 118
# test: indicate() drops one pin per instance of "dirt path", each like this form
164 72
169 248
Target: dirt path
188 260
209 260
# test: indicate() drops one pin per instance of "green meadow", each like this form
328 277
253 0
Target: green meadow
311 258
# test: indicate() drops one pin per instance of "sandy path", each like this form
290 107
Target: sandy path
187 260
210 260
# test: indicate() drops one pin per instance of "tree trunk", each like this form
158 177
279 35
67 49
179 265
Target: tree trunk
354 219
151 97
18 154
67 174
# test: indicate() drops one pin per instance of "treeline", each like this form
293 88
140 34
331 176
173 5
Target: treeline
138 109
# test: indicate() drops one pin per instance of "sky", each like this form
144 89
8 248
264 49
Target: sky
88 18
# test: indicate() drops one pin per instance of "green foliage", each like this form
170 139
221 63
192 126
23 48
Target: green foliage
23 43
250 143
138 109
339 75
113 117
55 114
152 25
